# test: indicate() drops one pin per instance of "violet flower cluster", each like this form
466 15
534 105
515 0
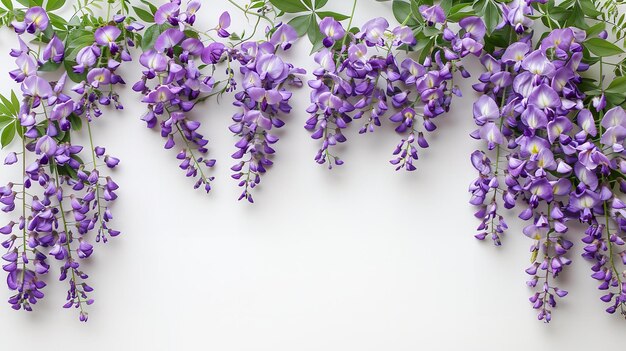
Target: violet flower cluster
356 81
63 202
172 66
265 96
552 159
265 79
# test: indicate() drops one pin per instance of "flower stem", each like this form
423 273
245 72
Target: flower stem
193 157
250 13
95 167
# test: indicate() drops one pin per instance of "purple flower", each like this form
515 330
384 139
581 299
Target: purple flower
515 53
223 24
432 14
54 51
486 110
10 159
332 30
474 27
167 13
373 30
284 35
193 46
544 97
213 53
46 145
272 66
35 19
86 57
153 60
26 67
168 39
62 110
537 63
97 76
107 35
404 35
36 87
161 94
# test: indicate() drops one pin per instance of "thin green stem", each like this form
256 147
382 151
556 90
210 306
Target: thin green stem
95 167
55 170
345 37
249 12
193 157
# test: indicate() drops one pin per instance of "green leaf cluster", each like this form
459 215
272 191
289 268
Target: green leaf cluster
307 14
9 119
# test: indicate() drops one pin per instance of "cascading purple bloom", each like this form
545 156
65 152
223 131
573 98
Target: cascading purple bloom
64 198
180 88
558 170
264 99
182 85
347 85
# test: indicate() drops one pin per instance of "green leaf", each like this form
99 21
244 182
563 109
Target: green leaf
15 104
594 30
301 24
446 5
153 9
9 108
8 134
492 16
533 255
602 47
54 5
57 21
618 85
335 15
144 15
24 2
308 3
8 4
401 10
589 8
69 68
49 66
289 6
150 36
5 120
75 121
320 3
315 36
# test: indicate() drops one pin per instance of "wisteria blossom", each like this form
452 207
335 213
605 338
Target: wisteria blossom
363 77
265 78
63 201
552 162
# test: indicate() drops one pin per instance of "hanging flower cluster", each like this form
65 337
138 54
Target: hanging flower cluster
180 84
553 135
557 154
265 96
355 81
62 202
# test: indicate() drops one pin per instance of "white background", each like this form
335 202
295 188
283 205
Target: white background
358 258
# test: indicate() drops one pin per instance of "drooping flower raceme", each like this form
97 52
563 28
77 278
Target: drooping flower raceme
265 79
62 199
355 81
264 97
552 157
